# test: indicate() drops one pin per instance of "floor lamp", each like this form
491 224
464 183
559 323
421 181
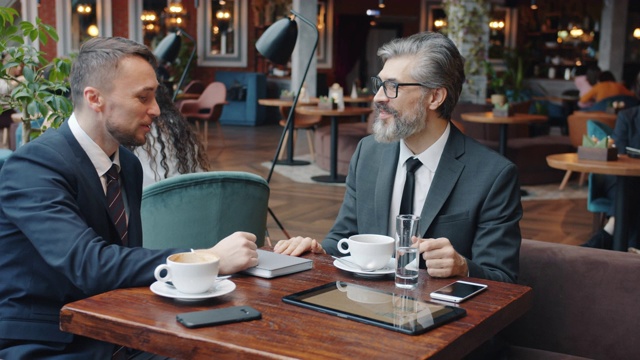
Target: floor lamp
276 44
168 50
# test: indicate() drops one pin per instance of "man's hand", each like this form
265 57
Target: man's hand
237 252
441 259
298 245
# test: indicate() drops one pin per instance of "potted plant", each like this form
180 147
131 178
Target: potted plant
326 103
509 79
40 93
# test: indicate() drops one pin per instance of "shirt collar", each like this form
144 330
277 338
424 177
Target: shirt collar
101 161
430 158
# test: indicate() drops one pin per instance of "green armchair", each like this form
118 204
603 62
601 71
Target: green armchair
198 210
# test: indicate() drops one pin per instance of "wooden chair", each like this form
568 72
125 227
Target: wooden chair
577 125
207 108
305 122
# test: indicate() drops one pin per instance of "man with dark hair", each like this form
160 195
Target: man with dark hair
467 195
70 207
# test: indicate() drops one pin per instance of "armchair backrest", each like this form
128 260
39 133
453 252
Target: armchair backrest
577 123
214 93
198 210
194 87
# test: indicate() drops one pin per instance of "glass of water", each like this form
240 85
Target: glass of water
406 254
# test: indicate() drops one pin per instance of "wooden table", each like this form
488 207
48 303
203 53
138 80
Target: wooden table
625 169
504 122
139 319
282 104
335 114
358 100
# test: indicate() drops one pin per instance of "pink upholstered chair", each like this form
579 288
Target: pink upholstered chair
207 108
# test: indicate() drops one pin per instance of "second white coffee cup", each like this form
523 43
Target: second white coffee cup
190 272
370 251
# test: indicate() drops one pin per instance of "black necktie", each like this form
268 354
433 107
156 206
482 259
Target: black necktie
406 205
116 204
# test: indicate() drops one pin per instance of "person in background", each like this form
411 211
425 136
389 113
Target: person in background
625 133
606 87
172 147
14 76
467 195
586 78
61 241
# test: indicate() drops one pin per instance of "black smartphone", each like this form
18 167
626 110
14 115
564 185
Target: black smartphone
213 317
458 291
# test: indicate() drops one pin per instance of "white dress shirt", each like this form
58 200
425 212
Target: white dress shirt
101 161
424 175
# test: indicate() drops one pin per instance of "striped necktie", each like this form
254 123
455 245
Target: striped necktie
116 204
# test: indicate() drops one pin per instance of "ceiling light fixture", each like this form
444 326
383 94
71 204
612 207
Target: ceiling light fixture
381 4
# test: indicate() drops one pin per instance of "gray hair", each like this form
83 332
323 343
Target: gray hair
438 64
98 61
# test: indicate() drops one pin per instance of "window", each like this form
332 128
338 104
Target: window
222 33
148 21
80 20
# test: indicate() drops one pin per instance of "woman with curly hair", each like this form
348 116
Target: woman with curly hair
172 147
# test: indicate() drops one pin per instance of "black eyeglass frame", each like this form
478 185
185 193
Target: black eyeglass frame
383 84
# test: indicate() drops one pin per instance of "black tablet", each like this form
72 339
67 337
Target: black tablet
393 311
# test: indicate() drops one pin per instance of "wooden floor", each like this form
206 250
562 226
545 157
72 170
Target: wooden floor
310 209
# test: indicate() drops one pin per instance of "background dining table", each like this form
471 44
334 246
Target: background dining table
627 172
503 122
139 319
335 115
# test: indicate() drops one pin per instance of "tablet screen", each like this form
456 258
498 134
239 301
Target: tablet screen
393 311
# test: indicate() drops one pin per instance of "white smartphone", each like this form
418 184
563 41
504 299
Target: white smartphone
458 291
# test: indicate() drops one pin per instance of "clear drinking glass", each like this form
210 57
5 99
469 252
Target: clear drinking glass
406 255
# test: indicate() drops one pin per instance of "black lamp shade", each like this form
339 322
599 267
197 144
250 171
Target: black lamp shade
168 49
278 41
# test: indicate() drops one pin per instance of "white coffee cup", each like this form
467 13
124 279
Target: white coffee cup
370 251
190 272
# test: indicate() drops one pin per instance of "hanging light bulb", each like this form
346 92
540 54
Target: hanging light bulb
381 4
534 6
92 30
636 33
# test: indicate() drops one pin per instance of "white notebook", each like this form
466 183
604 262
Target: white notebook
271 264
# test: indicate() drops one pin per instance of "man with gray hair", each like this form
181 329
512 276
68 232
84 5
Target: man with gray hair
467 195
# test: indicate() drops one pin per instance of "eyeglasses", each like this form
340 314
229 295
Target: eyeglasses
390 87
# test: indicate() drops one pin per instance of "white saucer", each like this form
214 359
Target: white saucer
220 288
388 269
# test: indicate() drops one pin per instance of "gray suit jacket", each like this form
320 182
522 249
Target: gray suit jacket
59 243
474 201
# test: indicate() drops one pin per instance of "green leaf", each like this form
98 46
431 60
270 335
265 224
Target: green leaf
29 74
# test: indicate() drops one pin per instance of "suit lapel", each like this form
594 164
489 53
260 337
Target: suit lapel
384 186
85 166
444 180
87 170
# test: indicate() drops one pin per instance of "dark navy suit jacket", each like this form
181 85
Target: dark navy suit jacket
58 241
627 129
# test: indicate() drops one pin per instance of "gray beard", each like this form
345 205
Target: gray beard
401 127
